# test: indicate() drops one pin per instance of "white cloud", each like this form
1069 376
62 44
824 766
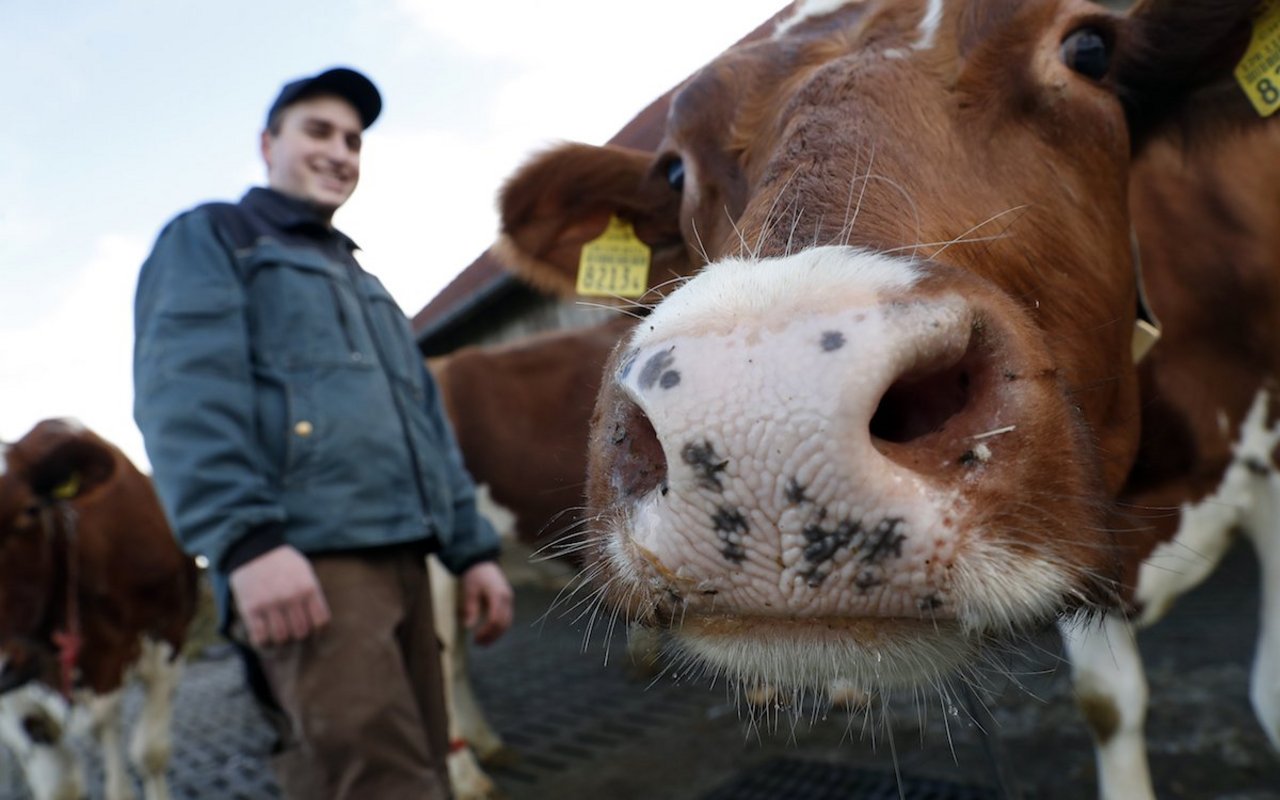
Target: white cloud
76 361
473 89
424 209
610 38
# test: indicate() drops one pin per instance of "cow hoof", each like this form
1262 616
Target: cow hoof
469 781
501 756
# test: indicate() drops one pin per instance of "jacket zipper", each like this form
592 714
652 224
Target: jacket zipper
343 320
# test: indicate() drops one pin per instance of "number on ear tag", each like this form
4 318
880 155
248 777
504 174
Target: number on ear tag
614 264
1259 70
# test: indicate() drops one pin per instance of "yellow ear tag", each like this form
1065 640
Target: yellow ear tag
1259 70
615 263
68 488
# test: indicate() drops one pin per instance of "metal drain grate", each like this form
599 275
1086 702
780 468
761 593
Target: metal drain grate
794 779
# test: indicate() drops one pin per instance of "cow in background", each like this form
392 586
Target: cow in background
521 413
896 416
93 589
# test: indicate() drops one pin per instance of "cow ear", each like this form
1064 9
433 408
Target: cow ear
564 198
1174 66
65 461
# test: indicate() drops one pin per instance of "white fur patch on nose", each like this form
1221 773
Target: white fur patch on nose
817 279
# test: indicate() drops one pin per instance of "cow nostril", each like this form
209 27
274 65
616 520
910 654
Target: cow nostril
639 464
924 400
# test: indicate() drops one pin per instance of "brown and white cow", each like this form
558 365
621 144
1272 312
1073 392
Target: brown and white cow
895 415
520 412
531 398
93 588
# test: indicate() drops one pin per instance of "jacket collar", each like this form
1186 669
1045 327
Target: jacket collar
292 214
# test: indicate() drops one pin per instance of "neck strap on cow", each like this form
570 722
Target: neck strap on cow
60 519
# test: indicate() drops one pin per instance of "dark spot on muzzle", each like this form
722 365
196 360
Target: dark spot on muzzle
669 379
930 603
730 526
814 576
707 465
832 341
658 363
795 492
884 540
824 543
871 545
868 579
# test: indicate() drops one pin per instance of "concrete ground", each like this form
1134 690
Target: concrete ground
579 727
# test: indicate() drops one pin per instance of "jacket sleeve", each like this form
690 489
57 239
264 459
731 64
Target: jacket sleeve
474 539
194 395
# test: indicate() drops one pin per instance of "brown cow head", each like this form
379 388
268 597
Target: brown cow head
57 461
890 416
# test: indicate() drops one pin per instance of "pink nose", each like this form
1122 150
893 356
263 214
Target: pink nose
823 445
920 395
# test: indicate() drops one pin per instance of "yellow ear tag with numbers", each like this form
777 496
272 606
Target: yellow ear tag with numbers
1259 70
615 263
68 488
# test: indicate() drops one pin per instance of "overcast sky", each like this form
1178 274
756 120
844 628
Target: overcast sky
120 113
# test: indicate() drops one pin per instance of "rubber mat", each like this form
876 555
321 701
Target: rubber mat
794 779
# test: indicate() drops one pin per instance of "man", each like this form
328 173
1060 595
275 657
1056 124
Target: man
299 444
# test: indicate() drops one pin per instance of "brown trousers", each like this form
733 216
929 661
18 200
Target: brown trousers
364 697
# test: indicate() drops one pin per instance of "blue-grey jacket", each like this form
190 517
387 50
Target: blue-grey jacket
282 398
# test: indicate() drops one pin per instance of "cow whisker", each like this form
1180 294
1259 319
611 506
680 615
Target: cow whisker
623 310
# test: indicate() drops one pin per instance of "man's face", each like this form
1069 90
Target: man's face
315 156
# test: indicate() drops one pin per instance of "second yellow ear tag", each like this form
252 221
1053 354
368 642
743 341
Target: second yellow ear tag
1259 70
68 489
615 263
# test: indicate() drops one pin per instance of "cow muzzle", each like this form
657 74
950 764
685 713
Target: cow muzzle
818 440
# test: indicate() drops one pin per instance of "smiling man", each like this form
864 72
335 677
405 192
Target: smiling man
299 445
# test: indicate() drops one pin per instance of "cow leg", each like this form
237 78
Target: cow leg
1262 526
1111 691
465 719
106 713
30 727
151 743
1265 684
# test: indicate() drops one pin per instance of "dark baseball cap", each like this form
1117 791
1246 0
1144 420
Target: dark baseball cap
343 82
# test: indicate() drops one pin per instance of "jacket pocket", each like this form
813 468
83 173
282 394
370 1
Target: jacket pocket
288 424
297 315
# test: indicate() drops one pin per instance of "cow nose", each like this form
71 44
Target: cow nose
911 384
933 414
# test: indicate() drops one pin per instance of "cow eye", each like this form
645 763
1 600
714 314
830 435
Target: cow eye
675 174
1086 51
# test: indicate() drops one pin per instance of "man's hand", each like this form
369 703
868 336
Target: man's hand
278 597
485 592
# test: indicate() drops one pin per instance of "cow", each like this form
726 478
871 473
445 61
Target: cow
896 410
520 412
93 589
532 397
